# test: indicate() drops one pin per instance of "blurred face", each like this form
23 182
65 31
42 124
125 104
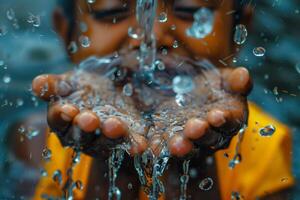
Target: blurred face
108 22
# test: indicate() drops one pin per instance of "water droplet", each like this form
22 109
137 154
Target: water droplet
79 185
240 34
46 154
164 51
72 48
236 196
163 17
128 90
84 41
83 27
267 131
10 14
202 25
193 173
57 176
35 20
43 173
180 100
135 33
275 90
91 1
259 51
173 27
76 158
284 179
21 129
129 186
3 30
32 132
6 79
234 60
19 102
175 44
297 67
160 65
183 84
206 184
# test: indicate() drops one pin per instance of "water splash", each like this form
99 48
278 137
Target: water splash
184 179
115 161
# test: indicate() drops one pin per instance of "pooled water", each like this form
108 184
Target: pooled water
203 23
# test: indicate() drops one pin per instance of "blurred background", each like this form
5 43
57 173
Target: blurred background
29 46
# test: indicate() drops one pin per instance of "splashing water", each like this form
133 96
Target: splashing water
202 25
184 179
115 161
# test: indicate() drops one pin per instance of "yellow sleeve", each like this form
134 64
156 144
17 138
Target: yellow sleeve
60 160
266 161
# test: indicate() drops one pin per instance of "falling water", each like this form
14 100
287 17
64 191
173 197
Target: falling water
184 179
114 163
237 156
145 15
159 166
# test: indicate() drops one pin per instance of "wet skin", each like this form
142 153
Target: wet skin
204 124
87 103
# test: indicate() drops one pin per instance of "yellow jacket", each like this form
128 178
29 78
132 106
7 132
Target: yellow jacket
265 167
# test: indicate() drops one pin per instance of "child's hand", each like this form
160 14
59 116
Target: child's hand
215 111
89 110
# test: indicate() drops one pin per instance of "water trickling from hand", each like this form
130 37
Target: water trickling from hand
114 161
184 179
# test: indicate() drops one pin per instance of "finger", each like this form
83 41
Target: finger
114 128
138 144
239 81
47 86
180 146
87 121
68 112
195 128
228 120
217 117
55 120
